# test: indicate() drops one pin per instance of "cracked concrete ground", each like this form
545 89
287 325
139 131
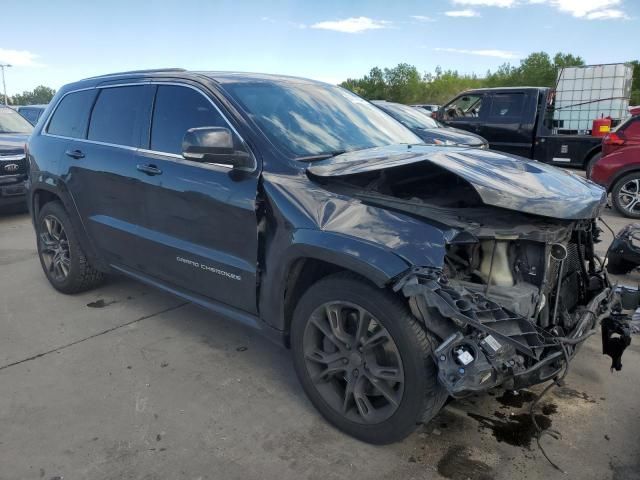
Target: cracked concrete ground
127 382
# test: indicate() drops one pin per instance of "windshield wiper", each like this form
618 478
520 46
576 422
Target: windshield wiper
321 156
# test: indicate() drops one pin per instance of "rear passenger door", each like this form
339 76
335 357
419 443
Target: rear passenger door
201 226
103 175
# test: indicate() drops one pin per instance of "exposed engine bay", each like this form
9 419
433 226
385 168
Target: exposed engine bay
516 294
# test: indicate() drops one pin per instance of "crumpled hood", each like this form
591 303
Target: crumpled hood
501 180
12 142
453 135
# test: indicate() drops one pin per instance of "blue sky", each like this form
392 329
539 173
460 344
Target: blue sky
53 42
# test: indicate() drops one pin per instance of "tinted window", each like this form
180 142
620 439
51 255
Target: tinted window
507 107
72 114
177 109
30 114
121 115
310 119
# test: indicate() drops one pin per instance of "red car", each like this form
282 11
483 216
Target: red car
618 170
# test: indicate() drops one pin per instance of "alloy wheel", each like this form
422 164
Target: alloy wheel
353 362
629 196
54 248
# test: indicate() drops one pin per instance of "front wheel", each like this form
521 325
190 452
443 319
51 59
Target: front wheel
363 360
625 195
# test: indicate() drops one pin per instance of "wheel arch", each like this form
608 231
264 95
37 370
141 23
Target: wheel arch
315 255
43 193
621 174
590 154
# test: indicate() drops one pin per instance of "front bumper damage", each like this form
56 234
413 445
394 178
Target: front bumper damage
484 345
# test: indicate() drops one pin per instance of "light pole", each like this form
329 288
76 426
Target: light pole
4 85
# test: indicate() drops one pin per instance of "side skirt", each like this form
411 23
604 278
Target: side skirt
239 316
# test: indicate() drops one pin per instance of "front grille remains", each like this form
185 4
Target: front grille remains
13 163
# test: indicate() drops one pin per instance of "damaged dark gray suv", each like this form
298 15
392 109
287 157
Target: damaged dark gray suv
398 273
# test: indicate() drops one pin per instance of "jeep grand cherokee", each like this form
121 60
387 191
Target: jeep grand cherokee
398 273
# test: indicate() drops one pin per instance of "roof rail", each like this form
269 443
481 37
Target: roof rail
151 70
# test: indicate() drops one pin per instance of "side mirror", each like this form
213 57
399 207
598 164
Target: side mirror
214 145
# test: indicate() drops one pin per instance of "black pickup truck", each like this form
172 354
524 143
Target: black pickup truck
519 120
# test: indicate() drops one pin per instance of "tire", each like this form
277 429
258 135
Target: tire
416 399
64 263
621 200
592 161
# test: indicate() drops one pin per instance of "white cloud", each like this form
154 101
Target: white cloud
587 9
18 58
605 14
486 3
352 25
462 13
506 54
422 18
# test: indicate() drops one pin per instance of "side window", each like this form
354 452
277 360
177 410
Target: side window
506 107
121 115
177 109
465 106
72 114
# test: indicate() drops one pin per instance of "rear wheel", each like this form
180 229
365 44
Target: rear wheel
363 360
625 195
63 261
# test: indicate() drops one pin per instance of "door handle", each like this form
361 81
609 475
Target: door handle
149 169
77 154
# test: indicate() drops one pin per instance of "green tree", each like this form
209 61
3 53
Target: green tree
445 84
403 83
372 86
39 95
635 84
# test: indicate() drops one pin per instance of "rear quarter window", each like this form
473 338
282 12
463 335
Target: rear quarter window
72 115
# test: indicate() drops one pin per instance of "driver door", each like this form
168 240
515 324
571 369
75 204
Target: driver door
467 112
200 231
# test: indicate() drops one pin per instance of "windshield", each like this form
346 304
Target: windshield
409 116
13 122
309 119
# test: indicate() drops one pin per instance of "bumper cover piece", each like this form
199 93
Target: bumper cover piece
485 344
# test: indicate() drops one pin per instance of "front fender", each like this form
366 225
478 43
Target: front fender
378 264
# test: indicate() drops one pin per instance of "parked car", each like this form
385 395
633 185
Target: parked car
619 168
518 120
430 131
431 108
14 132
398 273
31 112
